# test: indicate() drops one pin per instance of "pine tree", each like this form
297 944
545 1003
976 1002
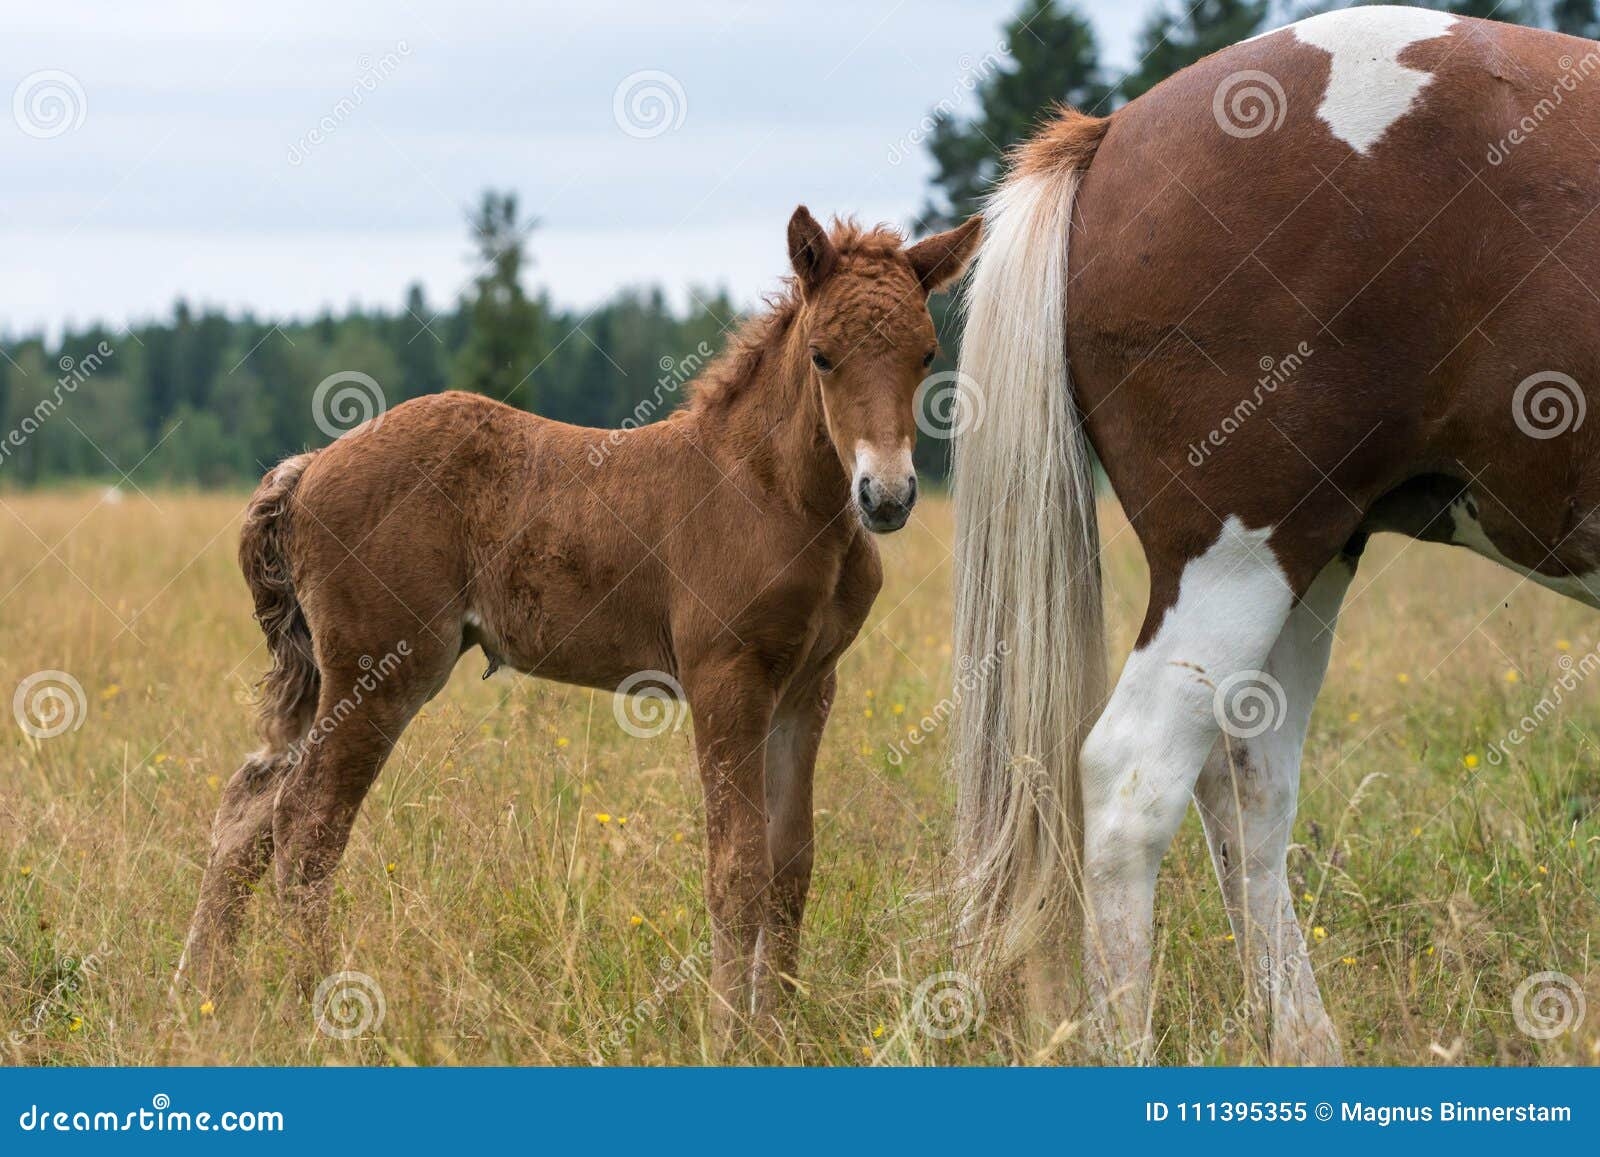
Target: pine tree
1176 37
418 346
505 337
1575 17
1052 58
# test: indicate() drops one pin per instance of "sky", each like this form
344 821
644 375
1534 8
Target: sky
291 157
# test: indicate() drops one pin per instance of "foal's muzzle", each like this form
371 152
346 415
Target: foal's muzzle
885 506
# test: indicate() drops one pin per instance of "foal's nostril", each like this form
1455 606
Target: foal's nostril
864 494
911 491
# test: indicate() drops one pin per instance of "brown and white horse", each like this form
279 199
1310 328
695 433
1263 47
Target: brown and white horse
1341 278
723 552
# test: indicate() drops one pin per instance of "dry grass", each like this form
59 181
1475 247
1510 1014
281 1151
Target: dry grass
506 924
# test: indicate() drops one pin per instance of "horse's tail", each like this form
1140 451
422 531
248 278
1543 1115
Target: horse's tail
289 690
1029 623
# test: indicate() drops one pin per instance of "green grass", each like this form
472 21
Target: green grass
505 924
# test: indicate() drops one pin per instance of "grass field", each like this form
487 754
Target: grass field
524 882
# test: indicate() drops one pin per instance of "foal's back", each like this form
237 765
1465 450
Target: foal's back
466 521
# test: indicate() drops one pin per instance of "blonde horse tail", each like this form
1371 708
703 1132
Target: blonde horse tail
1029 624
289 690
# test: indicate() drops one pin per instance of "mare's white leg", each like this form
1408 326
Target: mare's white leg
1141 760
1247 797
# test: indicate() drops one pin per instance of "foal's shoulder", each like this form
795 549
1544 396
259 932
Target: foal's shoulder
861 577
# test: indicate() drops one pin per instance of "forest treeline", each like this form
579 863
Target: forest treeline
201 397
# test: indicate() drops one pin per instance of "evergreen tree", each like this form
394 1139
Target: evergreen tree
419 346
1177 36
1575 17
1053 59
503 345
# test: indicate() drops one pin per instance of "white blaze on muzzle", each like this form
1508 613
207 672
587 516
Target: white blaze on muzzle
884 482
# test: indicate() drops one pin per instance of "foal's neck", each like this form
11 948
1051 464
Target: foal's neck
774 427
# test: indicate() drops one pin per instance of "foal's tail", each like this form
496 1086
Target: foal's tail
288 691
1029 623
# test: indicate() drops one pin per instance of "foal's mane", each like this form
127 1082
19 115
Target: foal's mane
731 372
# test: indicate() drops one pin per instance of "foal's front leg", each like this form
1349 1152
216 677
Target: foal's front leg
791 769
733 708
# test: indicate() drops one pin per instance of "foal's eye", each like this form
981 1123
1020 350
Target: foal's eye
819 360
927 358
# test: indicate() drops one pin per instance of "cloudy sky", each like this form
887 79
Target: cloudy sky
317 154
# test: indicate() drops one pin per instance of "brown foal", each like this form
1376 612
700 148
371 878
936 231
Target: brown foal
724 547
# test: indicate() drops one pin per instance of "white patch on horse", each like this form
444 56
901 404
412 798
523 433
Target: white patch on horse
1145 753
1468 532
885 473
1368 88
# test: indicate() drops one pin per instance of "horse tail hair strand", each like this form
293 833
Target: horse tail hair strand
288 692
1028 607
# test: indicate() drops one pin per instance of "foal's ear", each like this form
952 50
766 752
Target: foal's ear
938 260
810 252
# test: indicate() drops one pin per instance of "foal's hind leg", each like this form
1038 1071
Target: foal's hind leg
1247 797
241 848
364 706
1144 754
790 772
241 844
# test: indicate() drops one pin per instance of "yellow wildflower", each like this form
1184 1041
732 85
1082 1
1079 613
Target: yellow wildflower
207 1008
26 869
391 867
636 920
602 817
1319 933
1563 645
563 742
899 708
1402 678
1354 717
877 1032
1471 760
1511 675
75 1024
